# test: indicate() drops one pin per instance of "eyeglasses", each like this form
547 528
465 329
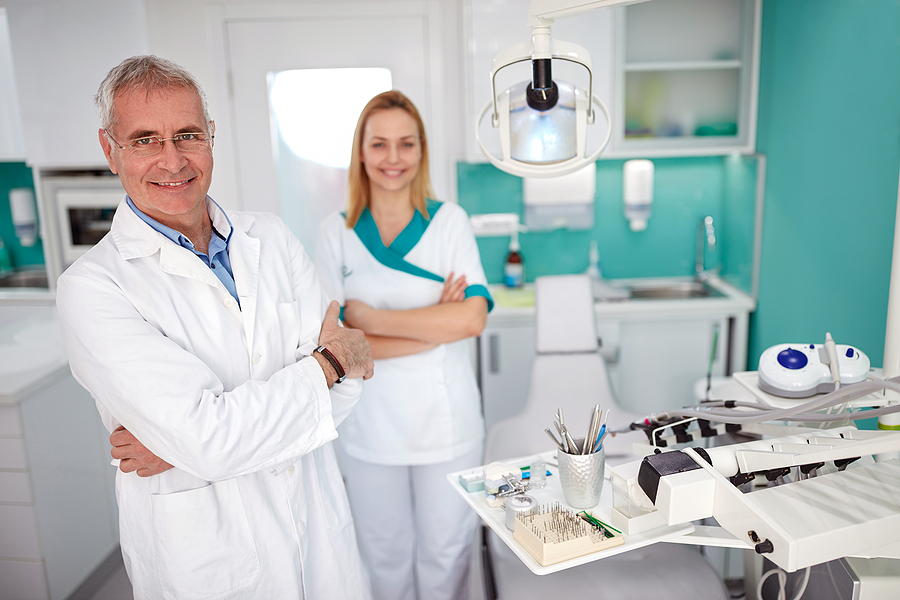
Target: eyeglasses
151 145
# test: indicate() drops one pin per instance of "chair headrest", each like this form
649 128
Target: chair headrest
565 318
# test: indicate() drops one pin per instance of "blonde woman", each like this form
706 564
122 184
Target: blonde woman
406 270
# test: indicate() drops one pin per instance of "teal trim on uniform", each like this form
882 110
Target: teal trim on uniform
367 231
479 290
415 229
341 314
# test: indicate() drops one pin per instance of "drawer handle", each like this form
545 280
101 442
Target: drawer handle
494 352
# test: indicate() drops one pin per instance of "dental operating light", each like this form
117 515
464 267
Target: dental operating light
543 123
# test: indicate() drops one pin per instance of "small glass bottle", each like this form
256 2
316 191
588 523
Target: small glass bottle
514 268
538 474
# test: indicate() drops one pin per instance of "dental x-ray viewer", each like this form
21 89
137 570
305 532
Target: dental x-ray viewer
205 334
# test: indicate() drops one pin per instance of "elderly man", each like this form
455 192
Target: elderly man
206 335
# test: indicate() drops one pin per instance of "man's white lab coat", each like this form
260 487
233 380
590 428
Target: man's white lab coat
255 506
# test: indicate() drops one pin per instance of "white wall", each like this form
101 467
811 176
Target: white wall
61 51
12 142
172 30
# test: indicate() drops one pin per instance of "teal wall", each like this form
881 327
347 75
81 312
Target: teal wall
685 191
16 175
829 126
829 123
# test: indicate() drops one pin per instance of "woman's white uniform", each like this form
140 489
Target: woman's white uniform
418 410
255 506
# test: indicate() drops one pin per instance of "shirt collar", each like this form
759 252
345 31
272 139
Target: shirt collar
219 219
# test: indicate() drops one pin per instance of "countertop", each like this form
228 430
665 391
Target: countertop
29 296
31 351
518 305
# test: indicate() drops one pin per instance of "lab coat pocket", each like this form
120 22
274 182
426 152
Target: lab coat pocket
204 547
330 489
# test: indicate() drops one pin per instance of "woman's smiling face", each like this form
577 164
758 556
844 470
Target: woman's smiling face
391 150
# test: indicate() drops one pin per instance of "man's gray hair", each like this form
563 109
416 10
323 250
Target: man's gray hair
148 72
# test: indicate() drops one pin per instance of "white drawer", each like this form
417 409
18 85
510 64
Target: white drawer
12 453
23 580
18 532
9 420
15 487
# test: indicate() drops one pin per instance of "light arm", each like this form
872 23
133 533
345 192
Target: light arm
543 12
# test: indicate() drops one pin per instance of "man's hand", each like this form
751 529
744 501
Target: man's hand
134 456
454 291
349 346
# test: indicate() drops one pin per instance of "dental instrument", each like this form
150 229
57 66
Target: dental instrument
555 441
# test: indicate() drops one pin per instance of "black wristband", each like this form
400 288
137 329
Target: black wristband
341 376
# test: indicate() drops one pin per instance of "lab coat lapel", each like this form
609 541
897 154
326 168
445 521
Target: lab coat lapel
244 255
176 260
136 239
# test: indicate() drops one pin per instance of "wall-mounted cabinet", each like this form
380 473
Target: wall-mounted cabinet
680 77
686 74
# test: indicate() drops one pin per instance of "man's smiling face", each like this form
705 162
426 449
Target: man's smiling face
170 186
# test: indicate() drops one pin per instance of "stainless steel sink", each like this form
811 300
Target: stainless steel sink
681 289
25 278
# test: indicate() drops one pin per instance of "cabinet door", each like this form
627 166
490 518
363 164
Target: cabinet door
493 25
505 357
686 77
74 503
660 361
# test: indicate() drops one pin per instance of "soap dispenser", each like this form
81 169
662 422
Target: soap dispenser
514 267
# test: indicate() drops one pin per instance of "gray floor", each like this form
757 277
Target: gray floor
117 587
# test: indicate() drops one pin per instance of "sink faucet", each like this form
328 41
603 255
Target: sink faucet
706 236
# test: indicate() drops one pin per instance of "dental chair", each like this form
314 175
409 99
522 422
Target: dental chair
570 374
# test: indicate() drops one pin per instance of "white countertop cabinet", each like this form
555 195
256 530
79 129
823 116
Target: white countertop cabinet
58 519
655 350
505 353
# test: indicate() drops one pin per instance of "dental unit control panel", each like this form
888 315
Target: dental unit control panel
803 370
